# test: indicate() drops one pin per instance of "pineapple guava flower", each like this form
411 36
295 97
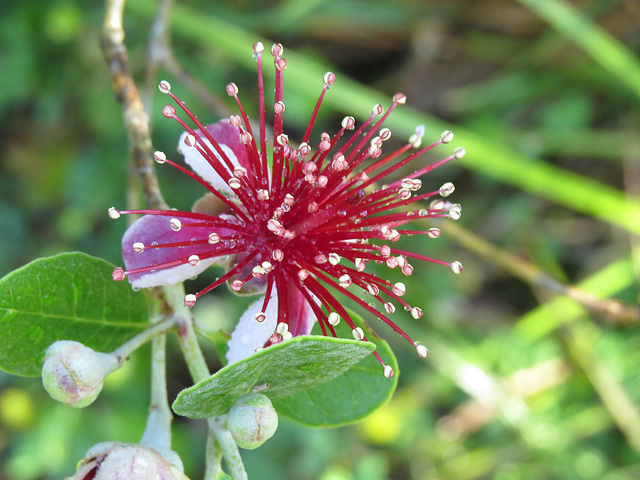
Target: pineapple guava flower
296 223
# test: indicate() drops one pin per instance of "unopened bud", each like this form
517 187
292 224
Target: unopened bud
252 420
72 372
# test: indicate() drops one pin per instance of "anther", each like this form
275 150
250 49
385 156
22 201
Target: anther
214 238
164 86
416 312
258 47
282 328
334 318
159 157
421 350
138 247
277 49
389 307
344 281
278 107
455 211
387 371
235 120
385 134
263 195
358 334
373 289
193 260
348 123
280 64
329 78
302 274
114 213
118 274
377 109
456 267
312 208
260 317
446 136
433 232
282 139
190 140
239 172
189 300
447 189
232 89
258 271
459 152
400 98
334 258
236 285
234 183
168 111
399 289
175 224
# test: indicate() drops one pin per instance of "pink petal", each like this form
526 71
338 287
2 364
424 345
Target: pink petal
152 229
227 137
250 334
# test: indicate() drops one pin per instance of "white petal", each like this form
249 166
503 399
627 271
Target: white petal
201 166
173 275
249 334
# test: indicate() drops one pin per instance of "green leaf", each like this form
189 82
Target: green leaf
351 396
70 296
283 369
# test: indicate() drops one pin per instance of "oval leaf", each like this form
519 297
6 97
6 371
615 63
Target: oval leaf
70 296
351 396
282 369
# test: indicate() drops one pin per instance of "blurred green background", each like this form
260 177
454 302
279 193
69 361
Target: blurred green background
544 95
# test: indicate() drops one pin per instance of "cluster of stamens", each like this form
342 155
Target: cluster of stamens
305 219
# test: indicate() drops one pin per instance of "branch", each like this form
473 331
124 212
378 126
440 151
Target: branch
136 120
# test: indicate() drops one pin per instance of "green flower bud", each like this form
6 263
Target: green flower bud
72 373
252 420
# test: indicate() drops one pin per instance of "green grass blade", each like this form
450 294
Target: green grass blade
597 43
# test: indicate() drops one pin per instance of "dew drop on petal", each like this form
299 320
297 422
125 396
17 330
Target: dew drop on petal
138 247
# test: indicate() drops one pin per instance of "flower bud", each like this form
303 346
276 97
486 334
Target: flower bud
72 373
252 420
129 461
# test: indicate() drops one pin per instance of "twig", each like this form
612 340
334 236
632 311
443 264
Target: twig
136 120
614 311
160 54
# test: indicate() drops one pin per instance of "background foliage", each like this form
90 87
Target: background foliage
544 95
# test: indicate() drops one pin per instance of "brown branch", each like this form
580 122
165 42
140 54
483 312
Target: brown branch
613 311
136 120
160 54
